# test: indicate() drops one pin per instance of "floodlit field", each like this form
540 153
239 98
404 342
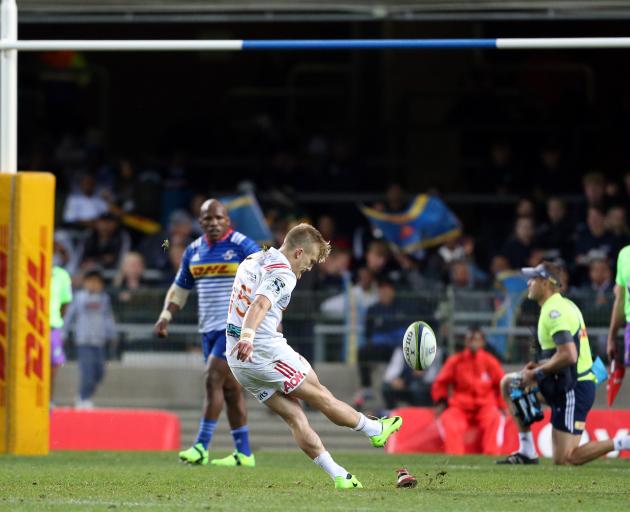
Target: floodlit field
287 481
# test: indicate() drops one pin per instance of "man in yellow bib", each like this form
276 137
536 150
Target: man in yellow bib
563 376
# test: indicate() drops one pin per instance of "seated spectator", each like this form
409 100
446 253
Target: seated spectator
385 326
593 237
473 377
363 294
174 255
85 206
129 278
517 248
328 228
401 384
106 244
600 278
335 269
617 225
179 233
557 233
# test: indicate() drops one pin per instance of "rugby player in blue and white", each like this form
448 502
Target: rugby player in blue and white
210 264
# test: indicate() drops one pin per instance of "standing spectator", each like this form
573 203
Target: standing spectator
474 376
518 247
85 206
106 244
385 327
60 298
91 320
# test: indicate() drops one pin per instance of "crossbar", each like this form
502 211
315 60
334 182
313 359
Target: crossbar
543 43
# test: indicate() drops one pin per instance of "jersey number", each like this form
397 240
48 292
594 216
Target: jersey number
242 300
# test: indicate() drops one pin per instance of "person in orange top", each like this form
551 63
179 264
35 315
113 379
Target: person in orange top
474 376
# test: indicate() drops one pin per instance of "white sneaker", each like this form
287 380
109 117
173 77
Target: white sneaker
622 443
84 404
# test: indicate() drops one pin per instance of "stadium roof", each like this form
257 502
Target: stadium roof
316 10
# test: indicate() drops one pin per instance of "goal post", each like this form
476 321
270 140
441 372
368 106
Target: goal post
26 247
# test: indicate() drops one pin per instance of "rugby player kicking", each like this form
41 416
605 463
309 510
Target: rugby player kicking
264 363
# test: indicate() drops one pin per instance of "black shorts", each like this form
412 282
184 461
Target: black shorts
570 408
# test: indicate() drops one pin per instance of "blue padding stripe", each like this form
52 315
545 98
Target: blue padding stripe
365 44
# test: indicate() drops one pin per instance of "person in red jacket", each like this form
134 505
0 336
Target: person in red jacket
474 376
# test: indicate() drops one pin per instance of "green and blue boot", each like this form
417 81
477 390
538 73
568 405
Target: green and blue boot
196 454
390 425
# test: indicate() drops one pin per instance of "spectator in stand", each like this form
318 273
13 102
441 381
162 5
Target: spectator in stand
175 253
363 294
600 279
335 269
594 189
106 244
557 234
460 276
474 378
328 228
394 199
617 225
129 278
378 259
84 207
91 320
525 208
518 247
385 326
178 234
593 237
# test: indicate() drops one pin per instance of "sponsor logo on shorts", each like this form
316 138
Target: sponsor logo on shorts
579 425
293 376
263 395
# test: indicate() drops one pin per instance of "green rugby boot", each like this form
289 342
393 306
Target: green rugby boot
235 459
347 482
196 454
390 425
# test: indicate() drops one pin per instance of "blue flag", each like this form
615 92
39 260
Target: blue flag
426 223
247 217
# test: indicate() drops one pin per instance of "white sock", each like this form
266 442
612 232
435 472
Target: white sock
526 445
368 427
622 443
326 462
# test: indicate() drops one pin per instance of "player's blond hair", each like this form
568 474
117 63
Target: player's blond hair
304 235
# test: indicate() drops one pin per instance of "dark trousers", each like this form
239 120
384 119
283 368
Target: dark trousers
369 354
91 369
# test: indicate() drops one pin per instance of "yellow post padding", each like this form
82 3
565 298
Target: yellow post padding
26 234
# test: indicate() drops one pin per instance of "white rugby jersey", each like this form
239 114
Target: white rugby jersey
265 273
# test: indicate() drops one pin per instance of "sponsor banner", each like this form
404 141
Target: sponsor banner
30 244
5 218
420 432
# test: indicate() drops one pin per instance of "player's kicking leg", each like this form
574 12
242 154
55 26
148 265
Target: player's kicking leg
307 439
340 413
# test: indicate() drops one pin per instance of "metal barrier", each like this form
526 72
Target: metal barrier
329 326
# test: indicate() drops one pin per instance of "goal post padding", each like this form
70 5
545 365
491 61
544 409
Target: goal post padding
26 248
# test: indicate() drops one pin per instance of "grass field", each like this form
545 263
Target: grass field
288 481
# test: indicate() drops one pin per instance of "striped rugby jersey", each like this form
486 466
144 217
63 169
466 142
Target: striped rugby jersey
211 267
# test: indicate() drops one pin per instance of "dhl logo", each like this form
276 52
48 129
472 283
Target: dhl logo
214 270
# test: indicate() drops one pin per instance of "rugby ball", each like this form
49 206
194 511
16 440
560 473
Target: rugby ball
419 345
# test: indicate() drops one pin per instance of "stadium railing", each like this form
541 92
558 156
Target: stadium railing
328 325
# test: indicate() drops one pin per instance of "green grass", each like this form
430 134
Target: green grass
288 481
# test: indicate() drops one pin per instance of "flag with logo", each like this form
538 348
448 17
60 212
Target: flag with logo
426 223
247 217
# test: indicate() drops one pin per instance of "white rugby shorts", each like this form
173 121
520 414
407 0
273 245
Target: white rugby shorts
284 374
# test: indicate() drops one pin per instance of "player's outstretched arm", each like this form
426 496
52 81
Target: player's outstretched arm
175 300
253 317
